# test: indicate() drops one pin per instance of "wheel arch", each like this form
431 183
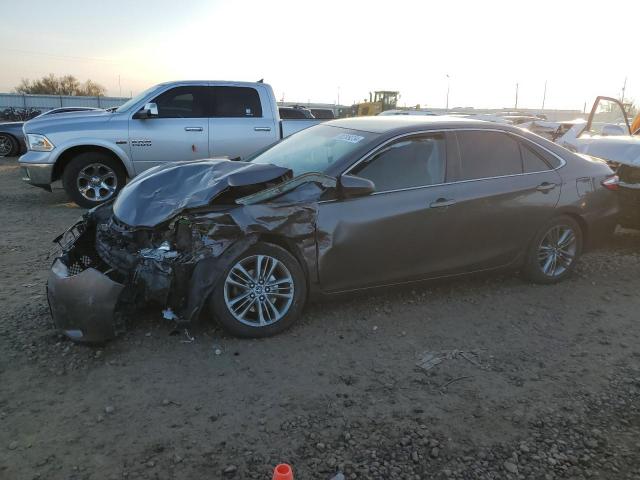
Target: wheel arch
582 223
290 246
71 152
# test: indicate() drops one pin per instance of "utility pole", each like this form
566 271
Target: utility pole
517 85
448 88
544 95
624 87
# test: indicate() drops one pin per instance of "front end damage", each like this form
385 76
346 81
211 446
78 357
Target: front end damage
109 268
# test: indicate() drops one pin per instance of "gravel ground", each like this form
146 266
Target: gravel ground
526 381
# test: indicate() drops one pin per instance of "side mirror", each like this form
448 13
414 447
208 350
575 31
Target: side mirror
150 110
351 186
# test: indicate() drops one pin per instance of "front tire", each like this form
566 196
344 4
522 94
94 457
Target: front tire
261 293
8 145
554 251
92 178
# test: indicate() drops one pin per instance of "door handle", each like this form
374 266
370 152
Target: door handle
262 129
193 129
545 187
442 202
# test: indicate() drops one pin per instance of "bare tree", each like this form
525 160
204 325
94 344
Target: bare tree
69 85
64 85
91 89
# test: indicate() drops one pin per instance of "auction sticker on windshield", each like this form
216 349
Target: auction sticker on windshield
346 137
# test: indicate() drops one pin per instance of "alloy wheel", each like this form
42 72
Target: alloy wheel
557 250
97 182
259 290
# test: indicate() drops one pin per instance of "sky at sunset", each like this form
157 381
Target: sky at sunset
336 50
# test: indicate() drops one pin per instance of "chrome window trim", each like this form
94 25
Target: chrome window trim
444 130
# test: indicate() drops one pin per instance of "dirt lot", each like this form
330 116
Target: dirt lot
534 382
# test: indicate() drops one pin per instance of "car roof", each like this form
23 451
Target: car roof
408 123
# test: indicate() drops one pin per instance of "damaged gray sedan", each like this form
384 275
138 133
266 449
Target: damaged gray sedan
343 206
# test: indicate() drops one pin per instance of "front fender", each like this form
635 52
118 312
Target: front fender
94 142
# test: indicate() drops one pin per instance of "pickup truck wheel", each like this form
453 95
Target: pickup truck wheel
8 145
92 178
261 293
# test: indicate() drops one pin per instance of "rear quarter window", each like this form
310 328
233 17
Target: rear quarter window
549 159
531 160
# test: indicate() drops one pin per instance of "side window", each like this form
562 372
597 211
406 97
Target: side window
183 102
234 102
488 154
531 161
414 162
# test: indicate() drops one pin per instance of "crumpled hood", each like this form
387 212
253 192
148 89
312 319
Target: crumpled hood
162 192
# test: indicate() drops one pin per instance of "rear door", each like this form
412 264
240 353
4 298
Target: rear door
505 191
241 122
179 132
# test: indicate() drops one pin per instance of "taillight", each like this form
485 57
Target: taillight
612 182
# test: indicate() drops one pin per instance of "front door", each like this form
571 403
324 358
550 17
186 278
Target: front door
179 132
399 232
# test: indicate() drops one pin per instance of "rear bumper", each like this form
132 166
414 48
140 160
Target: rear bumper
83 306
600 228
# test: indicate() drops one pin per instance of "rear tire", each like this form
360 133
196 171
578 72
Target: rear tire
251 299
554 251
92 178
9 146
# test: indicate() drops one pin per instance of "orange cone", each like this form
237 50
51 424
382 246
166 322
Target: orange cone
282 472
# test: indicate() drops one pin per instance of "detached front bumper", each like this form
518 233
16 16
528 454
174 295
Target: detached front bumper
36 169
85 298
83 306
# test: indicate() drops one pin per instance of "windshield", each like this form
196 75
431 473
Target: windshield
132 101
314 149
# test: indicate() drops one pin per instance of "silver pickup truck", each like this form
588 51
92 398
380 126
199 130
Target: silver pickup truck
94 153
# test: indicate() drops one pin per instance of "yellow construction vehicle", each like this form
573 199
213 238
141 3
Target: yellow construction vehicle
378 102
